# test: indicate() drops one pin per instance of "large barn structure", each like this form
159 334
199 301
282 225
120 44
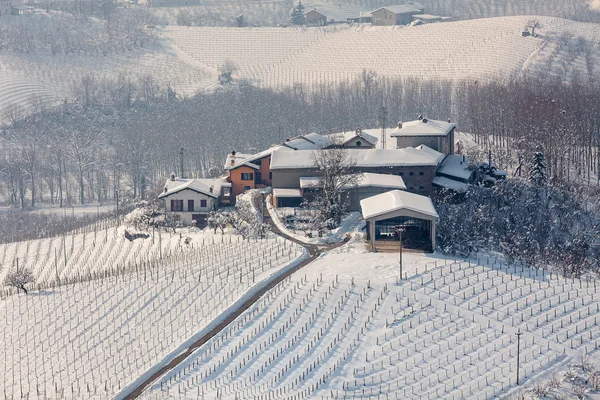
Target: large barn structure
414 214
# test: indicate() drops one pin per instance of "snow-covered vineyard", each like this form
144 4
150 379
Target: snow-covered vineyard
472 49
89 339
447 331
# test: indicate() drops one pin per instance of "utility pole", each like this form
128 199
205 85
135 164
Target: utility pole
383 120
181 161
400 230
518 351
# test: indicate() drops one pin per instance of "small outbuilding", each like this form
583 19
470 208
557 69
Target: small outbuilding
414 214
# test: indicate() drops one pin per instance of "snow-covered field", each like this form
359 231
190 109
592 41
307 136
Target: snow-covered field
473 49
91 338
345 327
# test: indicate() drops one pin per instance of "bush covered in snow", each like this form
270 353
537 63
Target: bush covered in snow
538 225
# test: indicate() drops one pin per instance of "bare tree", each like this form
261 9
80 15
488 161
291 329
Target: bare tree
19 278
337 174
532 25
226 72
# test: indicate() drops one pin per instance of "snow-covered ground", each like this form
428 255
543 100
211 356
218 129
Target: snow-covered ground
91 338
488 48
346 327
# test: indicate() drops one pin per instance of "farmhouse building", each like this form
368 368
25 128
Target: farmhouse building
192 199
315 18
416 167
396 15
253 171
437 135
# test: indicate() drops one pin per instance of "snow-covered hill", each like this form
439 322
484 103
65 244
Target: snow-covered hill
91 338
345 327
473 49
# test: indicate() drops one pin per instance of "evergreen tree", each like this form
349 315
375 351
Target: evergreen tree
537 172
298 15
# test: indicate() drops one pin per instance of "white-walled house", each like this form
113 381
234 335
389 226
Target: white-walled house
192 199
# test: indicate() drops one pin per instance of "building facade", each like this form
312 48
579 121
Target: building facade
396 15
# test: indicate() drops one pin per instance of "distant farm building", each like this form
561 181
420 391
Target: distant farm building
11 8
313 17
396 15
327 13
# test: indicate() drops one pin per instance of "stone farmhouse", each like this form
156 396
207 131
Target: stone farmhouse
401 14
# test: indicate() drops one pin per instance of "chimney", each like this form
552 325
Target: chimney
399 124
232 158
449 121
166 189
424 120
172 177
211 188
464 158
420 117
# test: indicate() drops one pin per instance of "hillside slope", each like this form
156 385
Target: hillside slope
473 49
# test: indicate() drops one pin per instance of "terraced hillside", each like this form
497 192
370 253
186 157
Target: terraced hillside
345 327
474 49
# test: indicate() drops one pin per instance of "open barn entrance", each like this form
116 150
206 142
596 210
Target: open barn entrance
389 213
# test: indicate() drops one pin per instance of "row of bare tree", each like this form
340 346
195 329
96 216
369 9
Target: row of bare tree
124 135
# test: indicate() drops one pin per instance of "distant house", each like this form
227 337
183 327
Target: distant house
315 18
5 8
438 135
396 15
21 9
192 199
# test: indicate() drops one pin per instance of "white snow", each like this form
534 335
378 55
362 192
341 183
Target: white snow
458 187
209 187
363 158
424 127
366 179
456 166
345 326
90 338
287 193
395 200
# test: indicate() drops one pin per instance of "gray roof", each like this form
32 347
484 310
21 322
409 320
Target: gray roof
403 8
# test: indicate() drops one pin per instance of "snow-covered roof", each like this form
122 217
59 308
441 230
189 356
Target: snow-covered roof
427 17
455 166
278 193
239 160
197 185
310 141
423 127
345 137
396 200
408 157
402 8
458 187
366 179
337 11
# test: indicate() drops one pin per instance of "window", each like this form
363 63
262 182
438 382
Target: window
203 203
411 173
190 205
358 143
270 175
176 205
411 188
401 174
421 173
247 176
247 188
421 188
